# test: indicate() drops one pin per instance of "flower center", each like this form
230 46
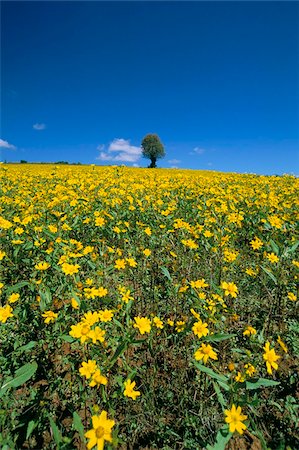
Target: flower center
100 431
85 329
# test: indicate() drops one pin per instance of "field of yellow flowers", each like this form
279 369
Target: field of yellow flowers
147 309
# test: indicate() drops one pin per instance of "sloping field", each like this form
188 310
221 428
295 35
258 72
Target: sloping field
145 309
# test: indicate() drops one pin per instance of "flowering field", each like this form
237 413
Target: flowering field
145 309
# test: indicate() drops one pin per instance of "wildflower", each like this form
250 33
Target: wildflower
97 379
256 243
235 419
170 322
70 269
180 326
272 257
240 378
250 369
129 389
49 316
42 266
148 231
200 329
106 315
131 262
74 303
270 357
158 322
204 353
88 368
292 296
80 331
90 318
120 264
100 432
5 313
147 252
282 344
97 334
199 284
13 297
99 222
249 331
195 314
143 324
2 254
229 289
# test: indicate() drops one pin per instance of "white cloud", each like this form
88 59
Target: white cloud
198 150
5 144
39 126
119 150
174 161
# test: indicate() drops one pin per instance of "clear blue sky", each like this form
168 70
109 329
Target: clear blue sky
217 81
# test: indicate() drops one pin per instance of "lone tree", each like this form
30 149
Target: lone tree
152 148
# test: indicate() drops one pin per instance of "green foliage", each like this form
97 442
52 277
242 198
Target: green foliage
152 148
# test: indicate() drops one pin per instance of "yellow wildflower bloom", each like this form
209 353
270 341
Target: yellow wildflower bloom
100 432
129 389
204 353
235 419
270 358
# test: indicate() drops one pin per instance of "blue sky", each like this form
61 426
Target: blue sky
217 81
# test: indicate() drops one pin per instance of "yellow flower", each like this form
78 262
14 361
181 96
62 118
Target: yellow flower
5 313
13 297
199 284
70 269
204 353
180 326
99 222
292 296
147 252
235 419
100 432
240 378
170 322
2 254
270 357
200 329
282 344
49 316
120 264
272 257
42 266
229 289
256 243
148 231
97 334
80 331
97 379
88 368
143 324
158 322
90 318
131 262
105 316
74 303
250 369
249 331
129 389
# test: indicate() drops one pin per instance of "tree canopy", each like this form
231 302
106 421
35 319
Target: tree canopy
152 148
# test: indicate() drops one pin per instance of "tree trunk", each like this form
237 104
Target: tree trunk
153 162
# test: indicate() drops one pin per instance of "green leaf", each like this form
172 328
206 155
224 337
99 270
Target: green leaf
18 286
222 438
218 337
67 338
274 247
22 375
56 433
261 382
120 349
220 397
30 428
166 273
270 274
220 378
78 425
26 347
